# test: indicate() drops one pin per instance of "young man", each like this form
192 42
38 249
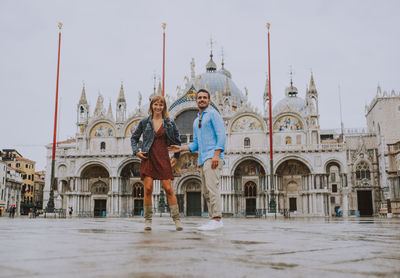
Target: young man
209 140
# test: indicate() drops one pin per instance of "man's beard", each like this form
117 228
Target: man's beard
203 107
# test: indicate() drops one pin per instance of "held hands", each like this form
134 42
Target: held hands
141 156
175 149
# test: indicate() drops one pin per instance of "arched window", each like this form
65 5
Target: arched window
102 146
250 189
247 142
288 140
362 171
138 190
99 187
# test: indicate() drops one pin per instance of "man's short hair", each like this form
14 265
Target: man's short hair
203 91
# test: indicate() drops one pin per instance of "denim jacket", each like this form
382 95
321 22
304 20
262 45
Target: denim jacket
145 127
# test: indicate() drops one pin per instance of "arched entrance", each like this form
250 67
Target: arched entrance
131 185
95 179
138 195
99 189
292 177
63 194
192 189
249 182
337 201
250 194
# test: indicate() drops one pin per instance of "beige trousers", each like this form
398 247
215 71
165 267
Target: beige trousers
210 183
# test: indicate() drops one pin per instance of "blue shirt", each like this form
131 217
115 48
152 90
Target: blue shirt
210 137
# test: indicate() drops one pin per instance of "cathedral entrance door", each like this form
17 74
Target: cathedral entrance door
100 208
193 203
292 204
364 200
138 206
251 206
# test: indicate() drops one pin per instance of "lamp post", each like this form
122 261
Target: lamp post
50 203
272 203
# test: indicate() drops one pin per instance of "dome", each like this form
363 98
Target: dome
290 101
214 81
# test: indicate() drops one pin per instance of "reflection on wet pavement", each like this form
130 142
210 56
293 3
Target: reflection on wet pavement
118 247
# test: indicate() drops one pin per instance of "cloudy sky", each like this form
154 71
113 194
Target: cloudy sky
354 44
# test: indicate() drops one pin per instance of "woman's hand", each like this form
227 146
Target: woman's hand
141 155
173 162
174 148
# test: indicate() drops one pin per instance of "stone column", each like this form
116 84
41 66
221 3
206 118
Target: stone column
345 205
323 208
314 197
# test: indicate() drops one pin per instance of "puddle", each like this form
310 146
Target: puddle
93 231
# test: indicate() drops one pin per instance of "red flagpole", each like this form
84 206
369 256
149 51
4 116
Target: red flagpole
271 153
164 25
50 203
56 106
271 149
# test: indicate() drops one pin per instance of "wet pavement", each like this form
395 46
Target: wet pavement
118 247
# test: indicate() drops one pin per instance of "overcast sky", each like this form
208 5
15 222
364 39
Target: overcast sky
354 44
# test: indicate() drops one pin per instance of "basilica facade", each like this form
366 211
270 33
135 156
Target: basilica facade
316 172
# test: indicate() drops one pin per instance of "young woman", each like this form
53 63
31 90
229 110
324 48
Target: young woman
159 132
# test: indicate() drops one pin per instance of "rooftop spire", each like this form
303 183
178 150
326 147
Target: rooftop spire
222 62
192 72
227 88
109 112
312 83
292 90
211 66
83 95
159 91
121 97
99 110
266 90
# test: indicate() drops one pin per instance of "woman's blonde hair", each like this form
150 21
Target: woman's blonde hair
162 100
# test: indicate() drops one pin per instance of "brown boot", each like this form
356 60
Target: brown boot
176 217
148 213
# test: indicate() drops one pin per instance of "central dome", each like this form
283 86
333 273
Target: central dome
287 102
291 100
215 81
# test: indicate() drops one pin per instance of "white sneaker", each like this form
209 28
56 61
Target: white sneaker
211 225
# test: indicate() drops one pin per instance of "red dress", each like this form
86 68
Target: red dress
158 165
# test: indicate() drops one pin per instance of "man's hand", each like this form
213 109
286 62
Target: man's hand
214 162
141 156
173 162
174 148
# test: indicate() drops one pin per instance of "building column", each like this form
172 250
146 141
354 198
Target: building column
322 205
345 205
314 198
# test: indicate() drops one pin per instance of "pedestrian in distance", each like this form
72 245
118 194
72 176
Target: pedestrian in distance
70 212
209 140
12 212
159 132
